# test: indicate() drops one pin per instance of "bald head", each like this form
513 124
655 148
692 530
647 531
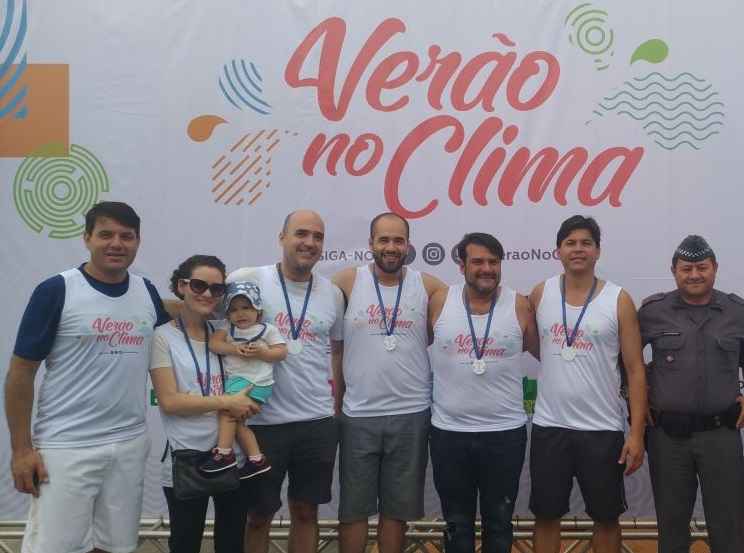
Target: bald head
305 215
388 216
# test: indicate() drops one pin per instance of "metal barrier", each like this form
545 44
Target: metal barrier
422 536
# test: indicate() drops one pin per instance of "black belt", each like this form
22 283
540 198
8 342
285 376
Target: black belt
682 425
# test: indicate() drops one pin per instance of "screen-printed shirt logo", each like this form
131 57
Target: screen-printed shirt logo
119 333
582 340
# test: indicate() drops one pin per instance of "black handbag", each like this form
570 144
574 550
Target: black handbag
188 481
191 483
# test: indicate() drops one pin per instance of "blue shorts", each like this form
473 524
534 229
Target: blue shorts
237 384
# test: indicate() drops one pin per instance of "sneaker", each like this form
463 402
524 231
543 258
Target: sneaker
218 462
253 468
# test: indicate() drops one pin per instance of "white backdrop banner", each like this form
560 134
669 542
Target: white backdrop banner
215 119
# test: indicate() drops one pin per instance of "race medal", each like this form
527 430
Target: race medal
479 366
390 342
568 353
294 346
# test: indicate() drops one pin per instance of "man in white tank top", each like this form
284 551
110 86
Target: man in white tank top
577 431
479 433
385 392
84 461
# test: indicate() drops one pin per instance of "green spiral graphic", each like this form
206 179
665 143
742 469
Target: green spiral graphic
590 32
56 192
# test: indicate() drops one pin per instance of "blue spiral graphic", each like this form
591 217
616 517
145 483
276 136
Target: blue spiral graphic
12 93
242 86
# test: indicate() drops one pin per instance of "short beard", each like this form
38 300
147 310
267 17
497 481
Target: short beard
381 265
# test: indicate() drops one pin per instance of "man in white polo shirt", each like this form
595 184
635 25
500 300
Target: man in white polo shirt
479 433
584 323
296 427
84 462
385 391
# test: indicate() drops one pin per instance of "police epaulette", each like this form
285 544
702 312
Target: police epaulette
654 298
736 299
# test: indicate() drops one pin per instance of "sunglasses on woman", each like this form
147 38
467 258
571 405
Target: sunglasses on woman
199 286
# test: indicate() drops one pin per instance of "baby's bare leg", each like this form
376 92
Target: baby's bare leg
247 440
226 434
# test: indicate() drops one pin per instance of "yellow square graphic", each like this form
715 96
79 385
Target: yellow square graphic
45 128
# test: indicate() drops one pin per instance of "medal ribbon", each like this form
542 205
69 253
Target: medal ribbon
203 385
570 340
388 330
478 354
294 330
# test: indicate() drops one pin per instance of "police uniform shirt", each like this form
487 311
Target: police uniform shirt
696 352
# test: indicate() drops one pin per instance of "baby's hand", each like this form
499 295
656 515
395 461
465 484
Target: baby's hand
245 350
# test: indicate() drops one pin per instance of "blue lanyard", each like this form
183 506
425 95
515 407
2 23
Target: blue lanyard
294 330
247 340
388 330
570 340
204 386
479 353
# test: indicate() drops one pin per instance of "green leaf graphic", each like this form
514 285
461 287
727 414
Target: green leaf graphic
652 51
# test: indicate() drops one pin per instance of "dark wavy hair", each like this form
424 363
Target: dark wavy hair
488 241
186 269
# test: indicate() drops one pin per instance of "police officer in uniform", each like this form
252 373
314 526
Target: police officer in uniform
696 335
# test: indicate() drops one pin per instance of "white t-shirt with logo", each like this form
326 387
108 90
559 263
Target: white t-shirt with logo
170 349
302 382
257 371
94 386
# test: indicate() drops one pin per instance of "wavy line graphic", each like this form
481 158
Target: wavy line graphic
12 92
676 117
670 79
668 107
675 146
670 89
685 116
657 94
688 133
674 127
242 87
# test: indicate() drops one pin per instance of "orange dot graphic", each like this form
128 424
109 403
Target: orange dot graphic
201 128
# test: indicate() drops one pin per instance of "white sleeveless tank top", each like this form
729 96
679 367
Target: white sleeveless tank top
463 400
584 393
381 382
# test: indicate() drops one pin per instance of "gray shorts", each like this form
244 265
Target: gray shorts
383 466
